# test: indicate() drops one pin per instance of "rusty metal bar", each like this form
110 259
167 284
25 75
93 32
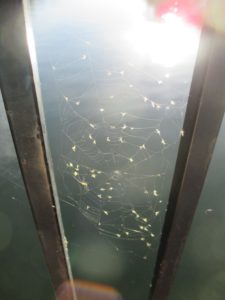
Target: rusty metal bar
20 99
204 115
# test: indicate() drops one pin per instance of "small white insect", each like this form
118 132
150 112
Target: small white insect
153 104
208 211
145 99
84 183
121 140
142 147
84 57
155 193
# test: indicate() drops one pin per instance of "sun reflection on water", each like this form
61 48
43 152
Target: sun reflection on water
167 42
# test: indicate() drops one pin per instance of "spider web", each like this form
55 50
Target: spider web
120 124
115 145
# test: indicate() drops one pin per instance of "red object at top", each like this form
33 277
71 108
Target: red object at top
190 10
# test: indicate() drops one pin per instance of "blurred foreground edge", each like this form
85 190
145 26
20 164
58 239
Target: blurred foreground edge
87 291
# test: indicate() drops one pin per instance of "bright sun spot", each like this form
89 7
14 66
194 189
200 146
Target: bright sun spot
169 42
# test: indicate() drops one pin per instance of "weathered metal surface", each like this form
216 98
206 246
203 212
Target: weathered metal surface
204 115
19 95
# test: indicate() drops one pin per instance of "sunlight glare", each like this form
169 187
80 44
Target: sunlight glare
168 42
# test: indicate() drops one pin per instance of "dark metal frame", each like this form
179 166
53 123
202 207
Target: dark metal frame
19 93
204 115
203 118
